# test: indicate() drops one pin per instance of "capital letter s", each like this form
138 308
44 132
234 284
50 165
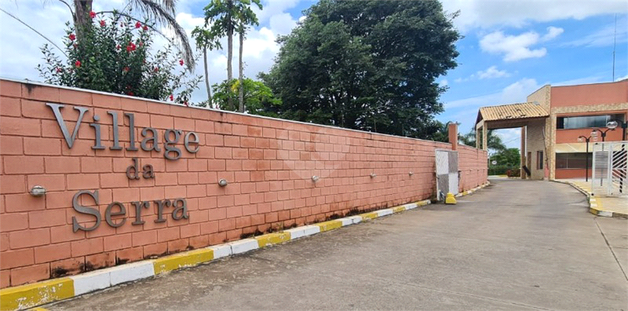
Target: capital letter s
85 210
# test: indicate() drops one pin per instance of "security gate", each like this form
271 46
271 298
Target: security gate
446 173
610 168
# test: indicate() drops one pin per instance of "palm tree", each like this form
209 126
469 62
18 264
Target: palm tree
161 11
246 17
223 14
206 40
493 141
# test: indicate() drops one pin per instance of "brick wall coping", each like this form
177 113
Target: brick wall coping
212 109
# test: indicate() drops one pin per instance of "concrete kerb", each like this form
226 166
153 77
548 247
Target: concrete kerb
595 206
36 294
471 191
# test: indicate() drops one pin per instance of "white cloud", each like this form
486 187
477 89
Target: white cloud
606 36
489 13
518 47
443 82
552 32
492 72
513 93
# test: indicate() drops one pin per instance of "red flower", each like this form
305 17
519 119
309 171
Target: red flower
141 43
118 46
72 37
59 69
138 25
130 47
171 97
185 103
126 69
102 23
129 93
145 28
92 14
77 63
181 62
156 69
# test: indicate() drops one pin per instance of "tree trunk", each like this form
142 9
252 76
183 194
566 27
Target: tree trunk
81 15
241 66
209 90
229 58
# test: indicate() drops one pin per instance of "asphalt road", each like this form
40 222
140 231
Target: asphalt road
516 245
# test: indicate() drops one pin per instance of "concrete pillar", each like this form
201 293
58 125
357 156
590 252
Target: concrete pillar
477 135
452 130
523 152
484 137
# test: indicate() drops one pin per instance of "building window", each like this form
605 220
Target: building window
585 121
539 160
572 160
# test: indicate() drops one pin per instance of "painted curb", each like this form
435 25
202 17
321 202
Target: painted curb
595 207
36 294
471 191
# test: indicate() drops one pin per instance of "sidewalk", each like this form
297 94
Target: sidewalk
601 205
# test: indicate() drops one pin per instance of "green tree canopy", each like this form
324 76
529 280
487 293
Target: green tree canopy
368 65
258 98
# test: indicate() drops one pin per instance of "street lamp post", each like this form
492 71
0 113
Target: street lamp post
610 126
586 164
614 124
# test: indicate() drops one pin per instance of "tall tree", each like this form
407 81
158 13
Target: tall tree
224 17
367 65
246 17
494 142
206 40
160 11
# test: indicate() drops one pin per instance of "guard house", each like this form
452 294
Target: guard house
555 123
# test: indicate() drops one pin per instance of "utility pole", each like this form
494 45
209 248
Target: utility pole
614 46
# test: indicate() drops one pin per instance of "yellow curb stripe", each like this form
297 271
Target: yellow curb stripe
187 259
367 216
329 225
272 238
398 209
25 296
593 211
422 203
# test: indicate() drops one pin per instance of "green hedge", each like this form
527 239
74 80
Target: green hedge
501 169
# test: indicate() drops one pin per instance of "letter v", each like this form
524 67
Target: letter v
55 109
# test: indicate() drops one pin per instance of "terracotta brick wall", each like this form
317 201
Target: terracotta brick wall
268 164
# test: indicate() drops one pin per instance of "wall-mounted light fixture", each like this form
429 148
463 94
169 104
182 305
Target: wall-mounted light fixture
373 175
410 173
222 182
315 178
38 191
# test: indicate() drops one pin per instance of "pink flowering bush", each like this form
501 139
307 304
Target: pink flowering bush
114 55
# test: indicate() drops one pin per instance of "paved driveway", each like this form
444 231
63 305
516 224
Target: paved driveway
516 245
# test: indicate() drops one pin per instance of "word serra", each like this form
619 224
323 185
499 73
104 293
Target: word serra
149 142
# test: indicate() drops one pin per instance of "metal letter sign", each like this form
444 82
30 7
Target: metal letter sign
149 143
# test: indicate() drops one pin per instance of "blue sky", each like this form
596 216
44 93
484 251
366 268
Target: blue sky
510 47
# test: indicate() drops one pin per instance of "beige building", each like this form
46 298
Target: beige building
553 119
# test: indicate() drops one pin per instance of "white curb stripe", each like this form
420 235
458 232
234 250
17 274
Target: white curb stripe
311 230
355 219
384 212
221 251
131 272
243 246
345 221
605 213
91 281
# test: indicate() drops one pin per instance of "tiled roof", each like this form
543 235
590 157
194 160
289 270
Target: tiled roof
512 111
